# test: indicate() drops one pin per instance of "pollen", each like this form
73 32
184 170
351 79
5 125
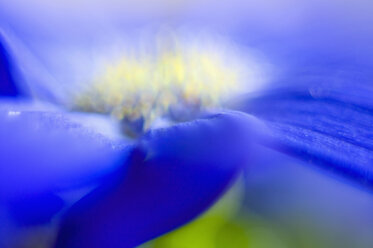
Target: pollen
175 78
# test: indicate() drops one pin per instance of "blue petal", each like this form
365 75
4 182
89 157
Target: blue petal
8 85
45 151
35 209
328 126
175 174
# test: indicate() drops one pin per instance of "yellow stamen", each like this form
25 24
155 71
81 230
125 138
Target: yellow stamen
178 74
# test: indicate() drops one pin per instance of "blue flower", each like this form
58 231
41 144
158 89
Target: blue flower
142 189
139 189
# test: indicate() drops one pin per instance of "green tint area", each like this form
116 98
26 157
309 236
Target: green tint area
209 230
225 225
228 224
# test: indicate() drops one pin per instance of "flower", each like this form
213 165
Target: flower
158 182
153 184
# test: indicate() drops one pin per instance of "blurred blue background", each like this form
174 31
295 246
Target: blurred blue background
278 202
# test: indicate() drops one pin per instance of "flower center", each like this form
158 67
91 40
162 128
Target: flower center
176 80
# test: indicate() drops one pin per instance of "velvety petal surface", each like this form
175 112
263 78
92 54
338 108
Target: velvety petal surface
34 209
41 151
327 126
174 174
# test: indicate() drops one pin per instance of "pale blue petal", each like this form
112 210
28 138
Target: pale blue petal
42 151
328 126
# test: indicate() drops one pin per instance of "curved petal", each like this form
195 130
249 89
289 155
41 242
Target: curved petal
175 174
8 85
331 127
42 151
